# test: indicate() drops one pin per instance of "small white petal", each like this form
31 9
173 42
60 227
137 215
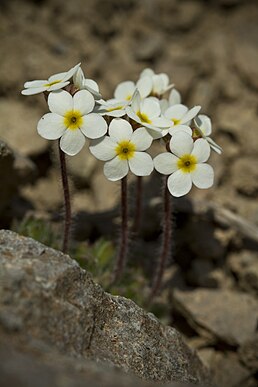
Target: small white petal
201 150
68 75
203 176
120 129
93 126
124 91
181 143
179 183
38 83
92 84
72 142
150 107
103 148
57 86
33 90
204 123
136 100
141 164
163 105
116 169
116 113
191 114
166 163
147 73
51 126
174 97
144 85
176 112
142 139
57 77
60 102
161 122
214 145
180 128
83 101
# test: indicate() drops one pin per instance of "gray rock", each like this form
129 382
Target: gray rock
245 268
225 315
46 296
248 353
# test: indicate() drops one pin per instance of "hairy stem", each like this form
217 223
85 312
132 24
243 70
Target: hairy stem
67 202
123 246
166 241
138 205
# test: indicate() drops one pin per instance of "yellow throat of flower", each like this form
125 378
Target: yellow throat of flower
52 83
143 117
73 119
187 163
125 150
175 121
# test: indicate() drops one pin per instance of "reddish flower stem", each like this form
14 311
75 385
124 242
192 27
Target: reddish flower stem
67 203
123 246
138 205
166 241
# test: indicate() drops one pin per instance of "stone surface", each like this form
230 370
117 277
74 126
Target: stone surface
248 353
227 316
46 296
245 268
19 127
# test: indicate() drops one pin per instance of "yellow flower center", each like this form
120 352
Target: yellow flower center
52 83
143 117
176 121
73 119
128 97
125 150
115 108
187 163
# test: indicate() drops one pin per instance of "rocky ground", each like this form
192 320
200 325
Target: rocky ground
209 50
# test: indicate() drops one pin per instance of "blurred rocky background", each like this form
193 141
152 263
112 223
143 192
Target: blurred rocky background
210 51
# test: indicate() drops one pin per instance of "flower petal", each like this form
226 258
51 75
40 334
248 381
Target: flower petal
141 164
176 112
214 145
83 101
72 142
51 126
204 123
57 86
120 129
116 169
136 101
103 148
150 107
33 90
174 97
60 102
93 126
201 150
124 91
190 114
179 183
38 83
142 139
203 176
70 72
166 163
181 143
180 128
144 85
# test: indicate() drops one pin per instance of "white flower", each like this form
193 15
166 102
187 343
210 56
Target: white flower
123 150
181 117
186 166
111 107
204 129
55 82
160 82
174 97
71 120
147 113
82 83
125 90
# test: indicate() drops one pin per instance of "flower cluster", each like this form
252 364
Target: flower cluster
123 128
